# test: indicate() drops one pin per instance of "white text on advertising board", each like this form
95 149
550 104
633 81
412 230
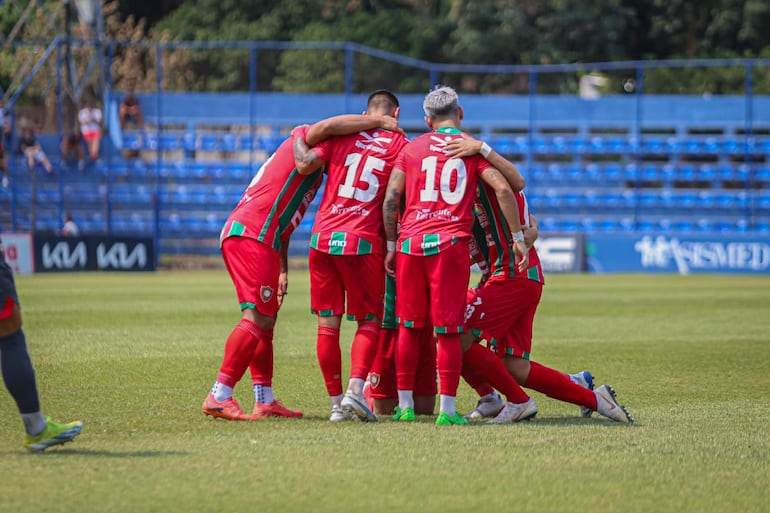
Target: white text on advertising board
661 252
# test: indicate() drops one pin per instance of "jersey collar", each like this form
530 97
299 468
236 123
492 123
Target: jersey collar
449 130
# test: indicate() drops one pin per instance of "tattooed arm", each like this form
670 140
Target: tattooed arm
391 208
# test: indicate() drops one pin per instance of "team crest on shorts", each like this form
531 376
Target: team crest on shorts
374 379
266 293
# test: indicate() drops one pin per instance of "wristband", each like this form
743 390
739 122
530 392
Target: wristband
391 244
518 236
485 150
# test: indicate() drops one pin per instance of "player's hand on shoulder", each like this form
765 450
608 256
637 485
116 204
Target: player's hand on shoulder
464 147
391 123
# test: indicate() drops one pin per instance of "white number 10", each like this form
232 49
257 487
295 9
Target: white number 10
449 195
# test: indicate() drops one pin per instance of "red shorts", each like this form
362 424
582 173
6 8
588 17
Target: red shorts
254 268
359 278
383 372
504 309
91 135
432 289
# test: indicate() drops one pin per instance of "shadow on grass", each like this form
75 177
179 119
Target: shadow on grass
72 451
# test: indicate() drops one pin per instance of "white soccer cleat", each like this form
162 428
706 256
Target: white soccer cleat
488 406
356 405
586 380
513 412
607 405
340 415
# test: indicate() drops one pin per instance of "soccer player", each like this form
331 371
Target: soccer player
382 377
19 375
254 244
504 308
347 249
431 266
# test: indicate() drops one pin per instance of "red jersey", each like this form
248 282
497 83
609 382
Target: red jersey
498 235
349 219
276 199
439 193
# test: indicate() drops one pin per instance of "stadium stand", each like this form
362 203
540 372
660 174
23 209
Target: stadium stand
691 166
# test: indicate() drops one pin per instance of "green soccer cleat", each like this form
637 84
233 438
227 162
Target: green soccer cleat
53 434
444 419
405 415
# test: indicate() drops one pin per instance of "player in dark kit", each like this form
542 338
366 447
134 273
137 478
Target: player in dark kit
19 375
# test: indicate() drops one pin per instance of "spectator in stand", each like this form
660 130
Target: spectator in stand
72 150
69 228
29 147
130 112
90 118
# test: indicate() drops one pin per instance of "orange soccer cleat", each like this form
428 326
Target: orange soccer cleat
274 409
227 409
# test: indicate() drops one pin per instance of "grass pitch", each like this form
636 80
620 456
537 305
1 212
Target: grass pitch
133 356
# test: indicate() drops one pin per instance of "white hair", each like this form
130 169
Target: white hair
442 101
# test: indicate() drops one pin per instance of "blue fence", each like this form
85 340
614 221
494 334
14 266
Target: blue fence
626 163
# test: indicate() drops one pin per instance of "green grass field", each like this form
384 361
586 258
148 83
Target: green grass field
133 356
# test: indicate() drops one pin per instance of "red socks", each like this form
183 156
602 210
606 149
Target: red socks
239 352
364 349
261 365
407 355
484 363
449 360
557 385
330 358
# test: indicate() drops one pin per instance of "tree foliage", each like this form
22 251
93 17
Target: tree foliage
440 31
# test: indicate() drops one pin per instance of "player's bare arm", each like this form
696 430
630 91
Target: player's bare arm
390 212
305 158
348 124
509 207
468 146
532 231
283 276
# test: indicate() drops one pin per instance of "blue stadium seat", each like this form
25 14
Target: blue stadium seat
762 201
548 224
631 172
627 224
554 173
762 174
683 225
568 225
704 200
245 143
649 173
686 200
188 142
645 225
228 142
132 141
588 224
609 225
612 172
762 226
648 199
706 173
711 146
617 146
208 142
169 142
686 173
704 225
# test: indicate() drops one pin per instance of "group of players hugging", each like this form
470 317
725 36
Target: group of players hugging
396 216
